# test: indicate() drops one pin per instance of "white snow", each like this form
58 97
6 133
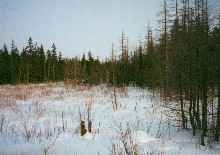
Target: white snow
45 118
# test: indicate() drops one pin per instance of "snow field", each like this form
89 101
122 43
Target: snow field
45 119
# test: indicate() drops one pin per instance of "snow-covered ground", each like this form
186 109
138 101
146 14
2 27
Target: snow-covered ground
45 119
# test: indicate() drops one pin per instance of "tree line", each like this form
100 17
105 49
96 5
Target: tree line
182 63
34 65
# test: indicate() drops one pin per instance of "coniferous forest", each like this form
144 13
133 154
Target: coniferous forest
181 63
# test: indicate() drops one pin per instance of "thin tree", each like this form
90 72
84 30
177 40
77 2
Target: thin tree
115 106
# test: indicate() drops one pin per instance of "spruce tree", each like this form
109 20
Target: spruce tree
14 67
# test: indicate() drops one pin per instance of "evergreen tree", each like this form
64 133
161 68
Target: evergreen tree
5 62
14 64
60 68
42 64
83 67
54 62
48 66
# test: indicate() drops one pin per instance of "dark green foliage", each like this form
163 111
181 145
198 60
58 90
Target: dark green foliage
14 66
5 63
42 64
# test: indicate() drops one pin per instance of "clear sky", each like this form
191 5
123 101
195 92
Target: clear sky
76 26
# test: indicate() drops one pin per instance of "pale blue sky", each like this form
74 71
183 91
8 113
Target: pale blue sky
76 26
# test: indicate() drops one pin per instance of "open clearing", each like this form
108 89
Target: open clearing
45 119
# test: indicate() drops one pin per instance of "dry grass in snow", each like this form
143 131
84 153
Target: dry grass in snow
50 119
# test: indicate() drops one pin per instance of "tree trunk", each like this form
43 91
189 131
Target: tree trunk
181 103
217 130
191 107
198 121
